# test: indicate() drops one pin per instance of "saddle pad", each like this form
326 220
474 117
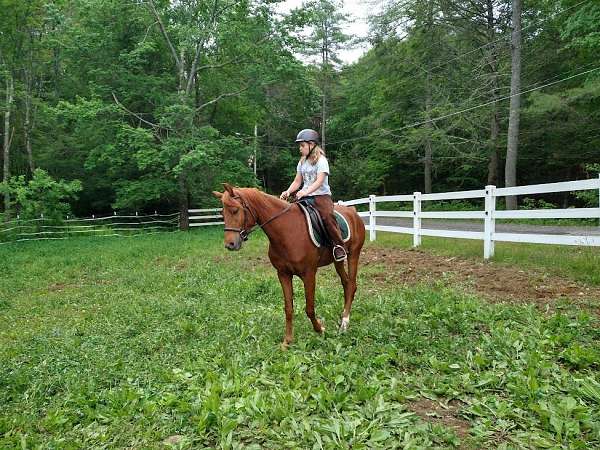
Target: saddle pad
316 235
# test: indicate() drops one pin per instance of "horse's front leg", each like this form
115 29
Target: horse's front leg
288 294
309 280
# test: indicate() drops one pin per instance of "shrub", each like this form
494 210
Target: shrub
41 195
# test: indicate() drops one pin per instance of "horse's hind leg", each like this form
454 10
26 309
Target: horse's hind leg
349 283
309 280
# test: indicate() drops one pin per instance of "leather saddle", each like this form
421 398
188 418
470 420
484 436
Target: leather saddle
316 227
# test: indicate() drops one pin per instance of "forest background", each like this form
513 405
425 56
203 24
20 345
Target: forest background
150 105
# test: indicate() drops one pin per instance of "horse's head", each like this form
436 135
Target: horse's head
237 217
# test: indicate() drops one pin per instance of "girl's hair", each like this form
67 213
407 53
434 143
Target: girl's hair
314 157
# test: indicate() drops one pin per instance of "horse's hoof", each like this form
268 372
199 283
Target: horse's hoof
284 346
322 324
344 325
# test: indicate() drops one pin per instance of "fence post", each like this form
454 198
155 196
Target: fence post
416 219
489 226
372 221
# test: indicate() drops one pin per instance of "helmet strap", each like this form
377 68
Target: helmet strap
311 150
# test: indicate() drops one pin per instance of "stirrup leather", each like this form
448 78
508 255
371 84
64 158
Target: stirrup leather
339 258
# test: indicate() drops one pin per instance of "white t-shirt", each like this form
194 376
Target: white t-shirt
309 174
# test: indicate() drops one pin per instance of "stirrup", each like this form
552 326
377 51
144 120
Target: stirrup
338 258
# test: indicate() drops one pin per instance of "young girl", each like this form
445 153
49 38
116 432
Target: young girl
312 175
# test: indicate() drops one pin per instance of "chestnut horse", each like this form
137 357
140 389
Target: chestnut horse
291 250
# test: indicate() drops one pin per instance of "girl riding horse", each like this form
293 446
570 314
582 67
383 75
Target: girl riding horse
291 250
312 173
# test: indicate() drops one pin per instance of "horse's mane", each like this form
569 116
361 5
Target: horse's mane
258 197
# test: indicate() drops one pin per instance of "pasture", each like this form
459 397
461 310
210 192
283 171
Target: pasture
169 341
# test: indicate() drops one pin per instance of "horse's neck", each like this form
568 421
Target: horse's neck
266 207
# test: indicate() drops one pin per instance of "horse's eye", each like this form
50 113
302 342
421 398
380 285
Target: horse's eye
234 210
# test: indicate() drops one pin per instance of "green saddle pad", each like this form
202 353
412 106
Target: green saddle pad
343 224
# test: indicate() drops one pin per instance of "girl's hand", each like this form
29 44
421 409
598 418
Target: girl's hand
300 194
284 195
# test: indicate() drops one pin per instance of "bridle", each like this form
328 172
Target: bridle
244 232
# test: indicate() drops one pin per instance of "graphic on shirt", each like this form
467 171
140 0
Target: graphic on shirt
309 176
309 173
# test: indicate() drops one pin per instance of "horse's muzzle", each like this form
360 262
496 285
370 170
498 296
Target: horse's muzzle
234 245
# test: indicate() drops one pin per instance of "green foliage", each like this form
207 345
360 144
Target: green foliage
590 198
75 132
355 174
581 28
327 38
42 195
532 203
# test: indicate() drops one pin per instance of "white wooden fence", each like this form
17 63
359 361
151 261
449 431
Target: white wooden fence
489 215
199 217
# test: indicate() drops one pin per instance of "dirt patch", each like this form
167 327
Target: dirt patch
181 266
495 282
447 415
59 287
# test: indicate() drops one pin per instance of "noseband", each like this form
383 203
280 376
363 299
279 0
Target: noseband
244 232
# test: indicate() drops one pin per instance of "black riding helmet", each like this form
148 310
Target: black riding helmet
308 135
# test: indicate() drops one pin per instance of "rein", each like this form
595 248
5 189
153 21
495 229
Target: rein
244 233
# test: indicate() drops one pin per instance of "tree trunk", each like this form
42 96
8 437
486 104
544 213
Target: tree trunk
493 165
323 117
182 76
510 172
255 147
324 68
27 126
184 220
428 160
7 141
56 67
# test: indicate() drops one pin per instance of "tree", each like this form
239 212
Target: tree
510 172
8 135
326 39
482 25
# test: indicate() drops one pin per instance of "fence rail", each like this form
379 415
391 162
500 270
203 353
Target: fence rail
489 215
202 220
44 228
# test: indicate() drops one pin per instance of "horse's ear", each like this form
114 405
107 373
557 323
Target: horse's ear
228 188
217 194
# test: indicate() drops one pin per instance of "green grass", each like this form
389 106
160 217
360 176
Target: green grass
124 343
578 263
